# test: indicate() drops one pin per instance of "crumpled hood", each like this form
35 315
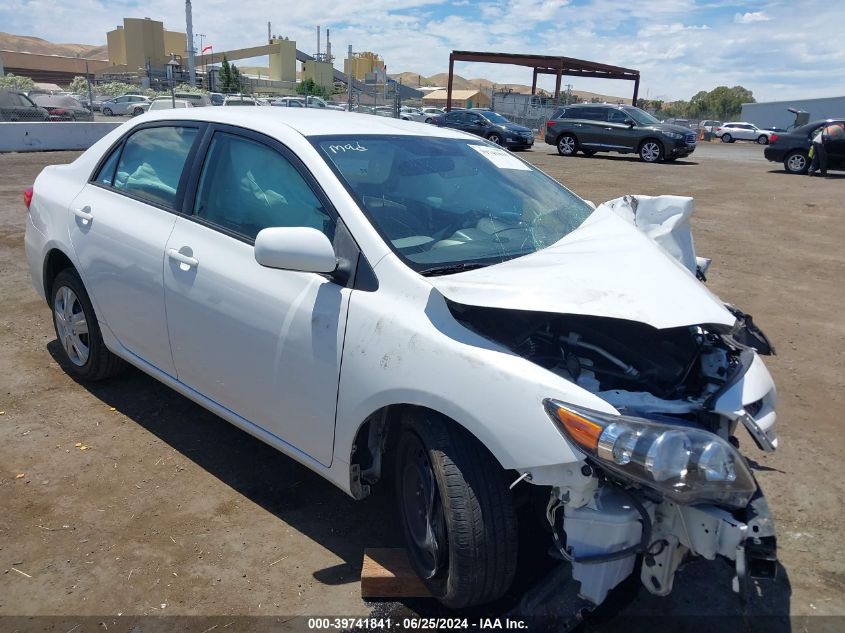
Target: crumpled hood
605 268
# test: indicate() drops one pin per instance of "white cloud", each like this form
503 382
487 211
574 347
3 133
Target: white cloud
751 17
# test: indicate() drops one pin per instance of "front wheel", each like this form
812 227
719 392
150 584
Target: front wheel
107 112
78 331
727 138
456 511
796 162
762 140
651 151
567 145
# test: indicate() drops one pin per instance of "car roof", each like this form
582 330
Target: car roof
306 121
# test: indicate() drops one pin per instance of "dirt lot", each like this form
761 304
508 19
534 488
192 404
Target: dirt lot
133 500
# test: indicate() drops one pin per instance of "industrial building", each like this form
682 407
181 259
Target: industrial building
767 114
460 99
365 66
143 43
47 68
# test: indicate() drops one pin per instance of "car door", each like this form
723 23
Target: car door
263 343
119 224
836 151
589 128
454 120
476 124
617 133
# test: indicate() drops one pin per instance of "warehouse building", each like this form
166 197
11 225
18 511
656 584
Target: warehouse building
769 114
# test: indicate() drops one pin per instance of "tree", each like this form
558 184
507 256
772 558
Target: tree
310 87
237 79
16 82
79 85
224 78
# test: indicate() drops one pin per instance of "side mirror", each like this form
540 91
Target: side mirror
295 248
630 122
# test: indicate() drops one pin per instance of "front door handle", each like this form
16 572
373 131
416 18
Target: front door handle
189 261
608 128
84 214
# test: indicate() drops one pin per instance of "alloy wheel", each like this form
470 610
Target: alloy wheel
566 145
71 326
796 163
650 152
494 138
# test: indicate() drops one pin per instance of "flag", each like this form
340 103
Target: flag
207 48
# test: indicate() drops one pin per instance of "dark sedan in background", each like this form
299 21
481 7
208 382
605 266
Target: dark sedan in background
792 148
63 108
490 125
16 106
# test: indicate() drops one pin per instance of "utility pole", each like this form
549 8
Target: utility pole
205 75
349 75
192 72
90 94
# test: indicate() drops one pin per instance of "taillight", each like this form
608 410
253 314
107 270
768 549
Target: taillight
550 124
27 197
773 138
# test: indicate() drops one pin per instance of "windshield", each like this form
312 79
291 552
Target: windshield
444 203
495 118
640 116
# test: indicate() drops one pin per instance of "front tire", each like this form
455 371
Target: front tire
78 331
651 151
762 140
107 112
567 145
456 512
796 162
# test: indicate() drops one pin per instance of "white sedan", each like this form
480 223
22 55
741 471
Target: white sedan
386 301
741 131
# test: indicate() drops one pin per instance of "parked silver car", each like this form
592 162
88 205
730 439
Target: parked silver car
126 104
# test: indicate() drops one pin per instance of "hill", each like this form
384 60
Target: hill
480 83
28 44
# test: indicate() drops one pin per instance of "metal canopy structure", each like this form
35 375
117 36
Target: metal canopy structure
544 65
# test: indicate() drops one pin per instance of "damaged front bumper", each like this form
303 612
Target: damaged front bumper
602 540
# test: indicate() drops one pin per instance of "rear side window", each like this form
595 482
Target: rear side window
246 186
105 176
151 163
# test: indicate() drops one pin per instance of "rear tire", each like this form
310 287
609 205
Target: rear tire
456 512
78 331
567 145
796 162
495 138
727 138
137 111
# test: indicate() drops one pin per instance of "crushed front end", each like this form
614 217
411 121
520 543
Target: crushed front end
662 478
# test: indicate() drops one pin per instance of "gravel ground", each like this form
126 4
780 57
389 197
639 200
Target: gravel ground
133 500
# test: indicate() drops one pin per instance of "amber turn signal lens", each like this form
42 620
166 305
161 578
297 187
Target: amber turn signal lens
579 429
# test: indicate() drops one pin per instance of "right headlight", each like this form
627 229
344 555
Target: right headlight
687 465
674 135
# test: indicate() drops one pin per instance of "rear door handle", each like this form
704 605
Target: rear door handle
84 214
608 128
189 261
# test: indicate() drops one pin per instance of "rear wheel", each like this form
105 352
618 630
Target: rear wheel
727 138
796 162
495 138
78 331
567 145
137 111
762 140
651 151
456 512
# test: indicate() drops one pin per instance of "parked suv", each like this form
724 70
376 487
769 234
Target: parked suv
741 131
126 104
596 127
16 106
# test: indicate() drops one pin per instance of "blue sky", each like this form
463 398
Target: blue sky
778 49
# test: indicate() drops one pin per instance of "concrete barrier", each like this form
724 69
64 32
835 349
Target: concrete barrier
52 136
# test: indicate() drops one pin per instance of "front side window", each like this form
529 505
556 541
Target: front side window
640 116
25 101
442 202
151 163
246 186
617 116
